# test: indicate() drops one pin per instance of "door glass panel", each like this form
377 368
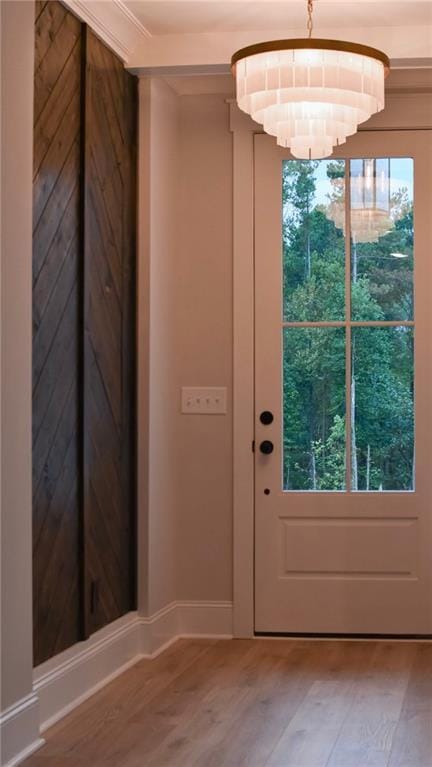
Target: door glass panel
314 408
381 215
313 212
382 402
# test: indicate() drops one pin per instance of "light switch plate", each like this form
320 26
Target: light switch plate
204 400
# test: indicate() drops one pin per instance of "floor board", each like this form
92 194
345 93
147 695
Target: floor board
257 703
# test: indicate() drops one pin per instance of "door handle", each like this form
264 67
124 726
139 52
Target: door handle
266 447
266 417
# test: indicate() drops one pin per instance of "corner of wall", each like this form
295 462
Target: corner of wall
157 180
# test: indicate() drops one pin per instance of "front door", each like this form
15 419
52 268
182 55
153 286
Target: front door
343 505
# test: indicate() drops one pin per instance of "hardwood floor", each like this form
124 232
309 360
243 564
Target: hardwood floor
257 703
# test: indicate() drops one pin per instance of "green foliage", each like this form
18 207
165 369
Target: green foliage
314 403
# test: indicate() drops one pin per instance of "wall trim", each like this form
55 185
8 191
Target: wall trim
132 18
113 23
64 682
25 753
19 728
243 129
68 679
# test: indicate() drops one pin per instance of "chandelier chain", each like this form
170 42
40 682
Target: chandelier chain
310 21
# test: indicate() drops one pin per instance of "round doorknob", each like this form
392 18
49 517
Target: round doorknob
266 417
266 447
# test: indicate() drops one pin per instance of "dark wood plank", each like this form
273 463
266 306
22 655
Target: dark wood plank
46 226
39 7
57 153
52 65
56 331
65 91
46 27
109 345
58 479
53 315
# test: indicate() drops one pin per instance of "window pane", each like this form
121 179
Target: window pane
314 408
383 407
382 239
313 242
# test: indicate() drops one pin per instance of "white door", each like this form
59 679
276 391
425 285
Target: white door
343 506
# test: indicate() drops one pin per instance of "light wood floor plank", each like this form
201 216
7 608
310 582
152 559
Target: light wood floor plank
367 733
412 742
312 732
257 703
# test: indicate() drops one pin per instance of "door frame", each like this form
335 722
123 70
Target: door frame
407 108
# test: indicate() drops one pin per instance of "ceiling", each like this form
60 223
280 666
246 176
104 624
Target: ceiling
184 37
174 17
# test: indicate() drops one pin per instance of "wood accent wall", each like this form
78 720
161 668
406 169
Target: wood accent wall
57 264
109 345
83 333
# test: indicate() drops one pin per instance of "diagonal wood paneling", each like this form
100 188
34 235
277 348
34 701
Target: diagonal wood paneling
56 330
83 333
109 340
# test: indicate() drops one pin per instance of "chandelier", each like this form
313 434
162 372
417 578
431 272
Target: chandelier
310 93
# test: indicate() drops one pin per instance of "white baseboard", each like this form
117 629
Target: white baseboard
185 619
19 731
159 631
205 619
63 682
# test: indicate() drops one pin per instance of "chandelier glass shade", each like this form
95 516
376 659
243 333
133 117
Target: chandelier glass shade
310 94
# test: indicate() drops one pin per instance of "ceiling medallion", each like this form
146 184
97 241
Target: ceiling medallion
310 93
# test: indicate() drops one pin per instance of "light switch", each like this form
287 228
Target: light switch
208 400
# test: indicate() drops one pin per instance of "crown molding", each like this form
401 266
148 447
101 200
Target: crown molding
113 23
423 63
409 80
132 18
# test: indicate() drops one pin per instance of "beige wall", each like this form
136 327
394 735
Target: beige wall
17 22
19 722
203 333
188 183
158 179
185 267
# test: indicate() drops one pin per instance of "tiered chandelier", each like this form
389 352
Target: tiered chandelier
310 93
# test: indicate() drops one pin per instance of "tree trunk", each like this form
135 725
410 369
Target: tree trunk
354 262
308 245
368 462
354 466
313 466
413 470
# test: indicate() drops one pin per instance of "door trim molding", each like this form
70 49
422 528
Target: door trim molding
243 130
406 109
